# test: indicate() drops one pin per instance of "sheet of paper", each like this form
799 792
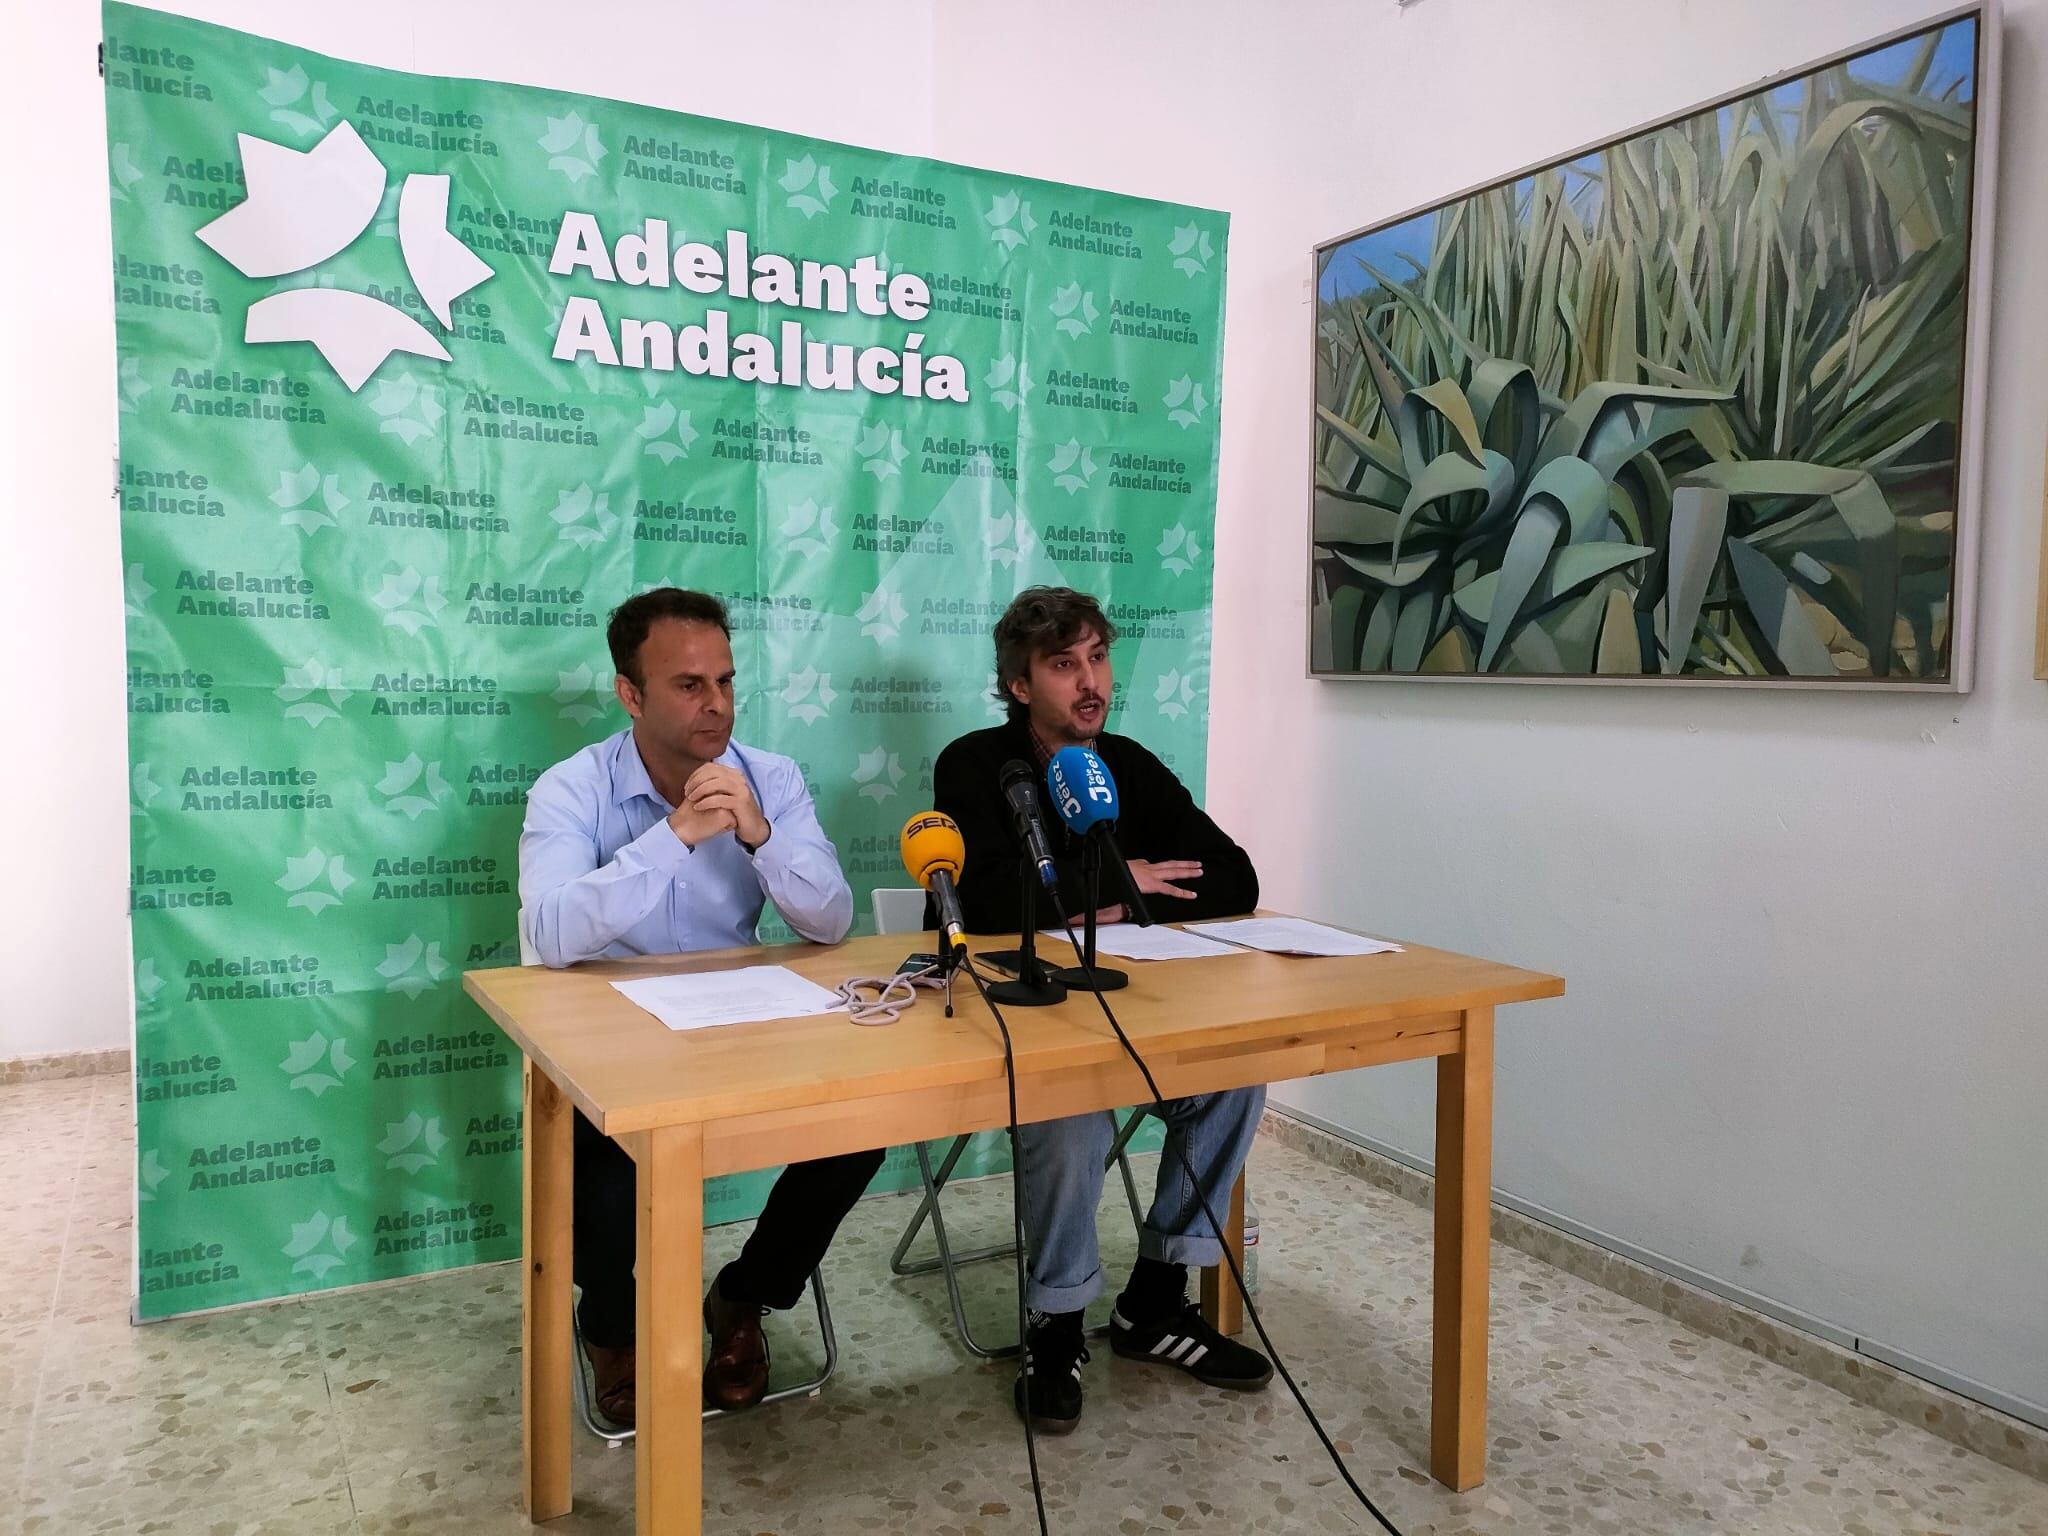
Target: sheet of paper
705 998
1127 941
1292 936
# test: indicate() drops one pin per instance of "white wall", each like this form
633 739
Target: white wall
854 73
63 743
1805 1049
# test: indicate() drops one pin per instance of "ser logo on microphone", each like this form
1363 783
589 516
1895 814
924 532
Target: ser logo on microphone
931 846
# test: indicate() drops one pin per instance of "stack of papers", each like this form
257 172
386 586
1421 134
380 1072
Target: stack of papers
1127 941
1197 941
1292 936
706 998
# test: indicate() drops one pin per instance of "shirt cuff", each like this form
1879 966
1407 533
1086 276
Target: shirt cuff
660 847
773 856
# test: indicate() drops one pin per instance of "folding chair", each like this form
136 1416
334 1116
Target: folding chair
901 910
584 1383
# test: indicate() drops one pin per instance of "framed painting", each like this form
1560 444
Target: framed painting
1699 404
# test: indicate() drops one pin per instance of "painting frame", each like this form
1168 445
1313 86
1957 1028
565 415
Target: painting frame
2041 599
1960 614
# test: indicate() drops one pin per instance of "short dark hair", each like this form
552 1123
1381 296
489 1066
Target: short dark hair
633 618
1038 622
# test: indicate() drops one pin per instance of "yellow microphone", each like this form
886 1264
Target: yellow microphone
933 852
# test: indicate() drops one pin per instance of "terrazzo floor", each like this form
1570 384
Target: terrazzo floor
397 1409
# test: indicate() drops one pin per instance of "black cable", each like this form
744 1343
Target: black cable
1195 1179
1017 1220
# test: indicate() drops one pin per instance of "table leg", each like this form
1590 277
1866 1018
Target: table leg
544 1356
1222 1303
668 1451
1464 1204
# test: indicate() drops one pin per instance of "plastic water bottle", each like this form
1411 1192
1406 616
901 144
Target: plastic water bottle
1251 1244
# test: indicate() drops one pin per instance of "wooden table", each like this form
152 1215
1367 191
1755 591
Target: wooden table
692 1106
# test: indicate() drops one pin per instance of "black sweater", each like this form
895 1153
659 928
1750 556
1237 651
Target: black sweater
1158 819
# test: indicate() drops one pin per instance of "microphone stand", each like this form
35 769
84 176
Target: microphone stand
1088 976
1134 899
951 957
1036 986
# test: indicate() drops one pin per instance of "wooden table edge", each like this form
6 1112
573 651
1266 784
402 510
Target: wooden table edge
1538 987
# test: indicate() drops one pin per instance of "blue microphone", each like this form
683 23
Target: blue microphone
1082 790
1084 794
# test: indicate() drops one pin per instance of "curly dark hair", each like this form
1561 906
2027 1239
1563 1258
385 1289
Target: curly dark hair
1038 622
631 620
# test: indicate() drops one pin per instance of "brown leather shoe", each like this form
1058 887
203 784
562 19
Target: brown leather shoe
736 1369
613 1369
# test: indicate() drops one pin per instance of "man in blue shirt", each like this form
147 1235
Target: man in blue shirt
670 836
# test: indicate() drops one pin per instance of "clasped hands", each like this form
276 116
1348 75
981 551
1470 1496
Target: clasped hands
719 799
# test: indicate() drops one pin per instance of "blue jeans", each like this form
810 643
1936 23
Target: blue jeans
1062 1181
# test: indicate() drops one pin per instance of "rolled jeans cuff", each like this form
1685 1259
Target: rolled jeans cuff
1195 1250
1061 1298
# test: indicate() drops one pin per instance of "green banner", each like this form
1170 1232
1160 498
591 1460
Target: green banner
418 378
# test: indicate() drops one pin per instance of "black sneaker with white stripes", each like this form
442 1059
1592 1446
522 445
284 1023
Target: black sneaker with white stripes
1055 1349
1185 1341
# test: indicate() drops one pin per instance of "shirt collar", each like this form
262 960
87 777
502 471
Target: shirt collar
1040 749
629 774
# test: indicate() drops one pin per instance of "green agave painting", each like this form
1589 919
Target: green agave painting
1691 405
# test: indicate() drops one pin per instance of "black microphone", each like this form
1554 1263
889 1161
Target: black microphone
1020 789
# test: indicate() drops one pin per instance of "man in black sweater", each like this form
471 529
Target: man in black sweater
1053 674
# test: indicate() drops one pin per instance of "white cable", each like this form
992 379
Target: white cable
893 994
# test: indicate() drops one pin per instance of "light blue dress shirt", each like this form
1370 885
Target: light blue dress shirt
603 875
